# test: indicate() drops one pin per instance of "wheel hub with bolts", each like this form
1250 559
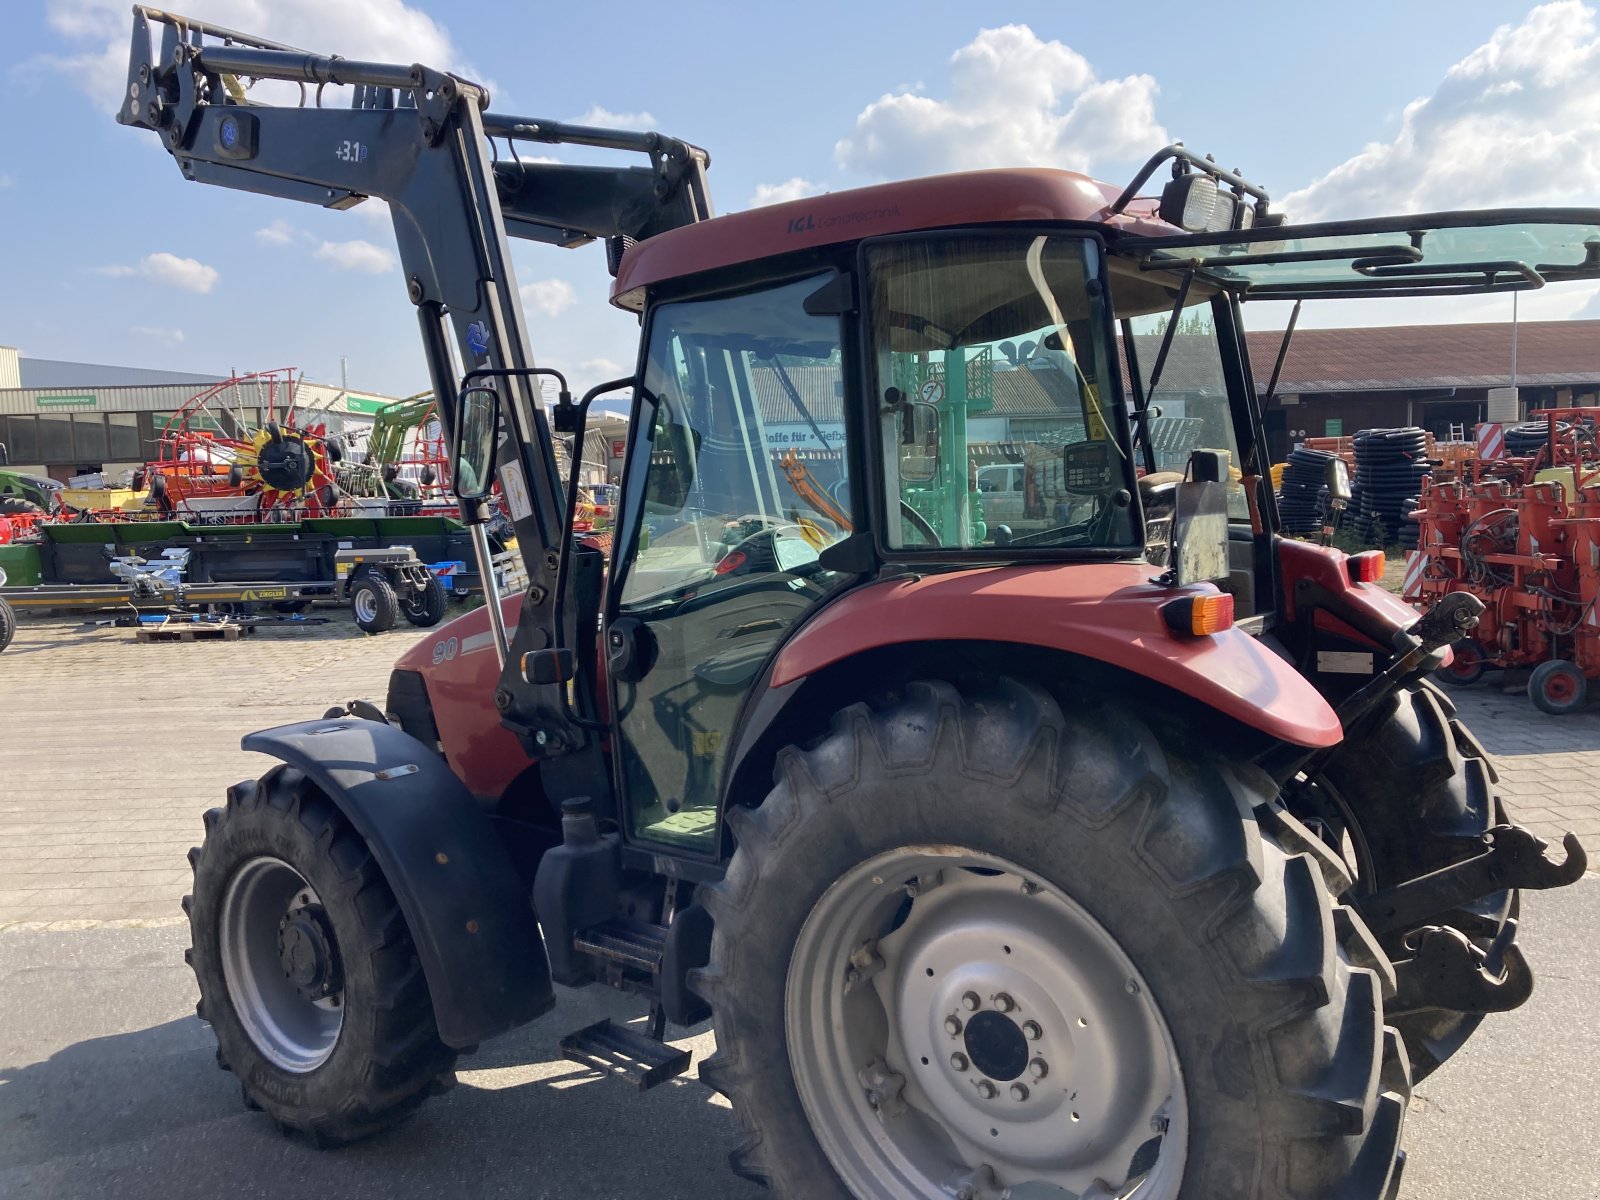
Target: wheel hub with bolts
1015 1030
280 961
307 951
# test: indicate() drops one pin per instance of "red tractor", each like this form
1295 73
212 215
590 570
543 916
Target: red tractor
1003 861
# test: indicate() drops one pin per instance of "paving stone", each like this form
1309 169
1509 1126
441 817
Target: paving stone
113 750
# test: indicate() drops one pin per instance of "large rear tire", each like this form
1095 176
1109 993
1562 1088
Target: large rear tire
1415 792
949 858
8 624
308 975
16 506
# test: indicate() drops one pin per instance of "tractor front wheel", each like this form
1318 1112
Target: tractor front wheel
974 945
308 975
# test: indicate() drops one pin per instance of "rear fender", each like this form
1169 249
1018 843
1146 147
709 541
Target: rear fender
1109 612
1316 577
471 919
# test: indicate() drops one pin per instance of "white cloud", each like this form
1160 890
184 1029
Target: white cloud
383 30
357 256
279 233
170 337
607 119
1517 121
789 189
7 181
1014 101
186 274
602 368
552 297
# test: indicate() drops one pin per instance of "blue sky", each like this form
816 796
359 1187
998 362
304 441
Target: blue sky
1341 110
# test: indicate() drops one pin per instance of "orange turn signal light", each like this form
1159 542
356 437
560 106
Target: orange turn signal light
1196 616
1366 567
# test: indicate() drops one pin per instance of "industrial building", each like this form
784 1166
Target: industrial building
68 419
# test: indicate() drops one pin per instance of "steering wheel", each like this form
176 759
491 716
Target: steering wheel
919 523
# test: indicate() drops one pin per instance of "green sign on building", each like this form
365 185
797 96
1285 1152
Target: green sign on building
82 400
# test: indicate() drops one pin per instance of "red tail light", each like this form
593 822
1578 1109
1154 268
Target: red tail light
730 562
1366 567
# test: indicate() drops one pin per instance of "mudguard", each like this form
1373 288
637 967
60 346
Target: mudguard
470 916
1105 611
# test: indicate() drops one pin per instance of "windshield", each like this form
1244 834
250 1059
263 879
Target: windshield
994 395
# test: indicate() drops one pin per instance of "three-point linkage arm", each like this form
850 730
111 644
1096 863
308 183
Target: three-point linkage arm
421 140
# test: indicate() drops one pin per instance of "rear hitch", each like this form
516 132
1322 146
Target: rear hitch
1447 971
1515 859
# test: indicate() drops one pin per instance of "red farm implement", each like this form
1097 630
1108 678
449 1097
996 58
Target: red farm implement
1523 535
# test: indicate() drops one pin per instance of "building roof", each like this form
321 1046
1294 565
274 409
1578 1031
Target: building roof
55 373
1418 357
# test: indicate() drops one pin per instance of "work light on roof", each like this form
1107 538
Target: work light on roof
1188 202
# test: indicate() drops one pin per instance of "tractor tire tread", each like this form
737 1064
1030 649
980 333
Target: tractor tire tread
400 1061
1306 1025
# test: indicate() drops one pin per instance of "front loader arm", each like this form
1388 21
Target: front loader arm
419 139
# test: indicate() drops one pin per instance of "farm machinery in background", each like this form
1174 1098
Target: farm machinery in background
241 450
1520 530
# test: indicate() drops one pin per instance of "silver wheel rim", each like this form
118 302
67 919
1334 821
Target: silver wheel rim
295 1032
958 1027
366 605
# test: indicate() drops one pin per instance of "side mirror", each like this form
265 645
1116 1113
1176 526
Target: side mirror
477 427
1338 481
672 469
919 442
1200 520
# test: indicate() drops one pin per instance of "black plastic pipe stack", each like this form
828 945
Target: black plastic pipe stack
1303 498
1390 464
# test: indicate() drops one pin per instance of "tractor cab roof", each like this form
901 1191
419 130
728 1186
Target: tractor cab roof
1011 195
1448 253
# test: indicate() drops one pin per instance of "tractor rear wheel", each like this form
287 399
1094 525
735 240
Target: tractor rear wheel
16 506
308 975
374 604
972 943
1415 793
8 623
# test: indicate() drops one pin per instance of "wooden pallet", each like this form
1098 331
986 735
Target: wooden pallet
192 633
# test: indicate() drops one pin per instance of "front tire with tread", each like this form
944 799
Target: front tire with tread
1272 993
387 1057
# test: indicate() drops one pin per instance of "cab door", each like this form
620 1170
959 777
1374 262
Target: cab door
737 480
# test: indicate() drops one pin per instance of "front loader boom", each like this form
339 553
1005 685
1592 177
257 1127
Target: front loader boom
422 140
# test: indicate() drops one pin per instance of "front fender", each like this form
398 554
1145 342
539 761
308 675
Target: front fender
471 919
1105 611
